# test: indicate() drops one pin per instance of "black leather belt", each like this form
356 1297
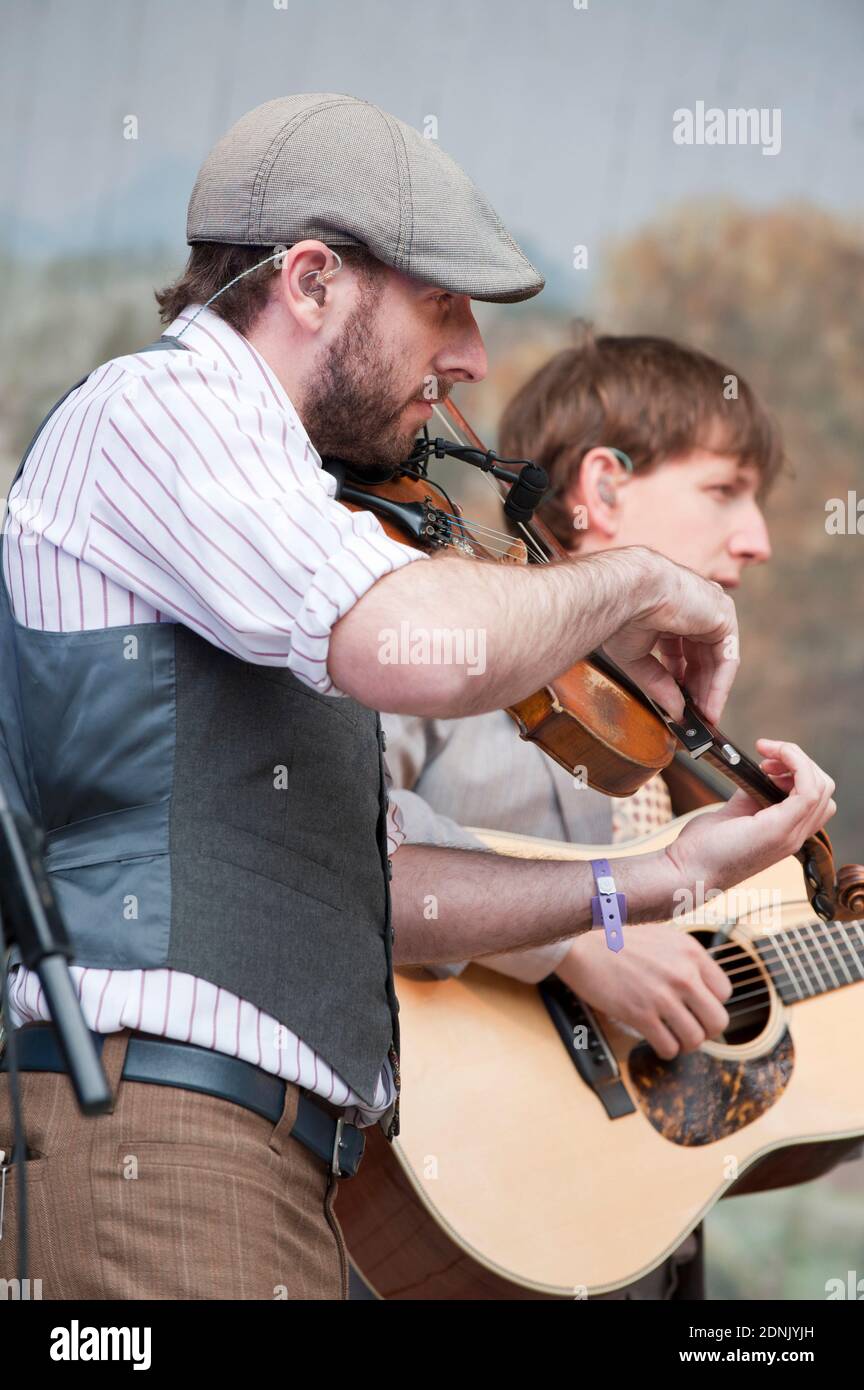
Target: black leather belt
164 1062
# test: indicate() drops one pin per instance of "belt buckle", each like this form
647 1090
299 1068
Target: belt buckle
337 1144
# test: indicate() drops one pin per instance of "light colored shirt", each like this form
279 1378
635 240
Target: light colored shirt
452 773
182 486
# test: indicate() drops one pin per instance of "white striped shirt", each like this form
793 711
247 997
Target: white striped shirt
182 486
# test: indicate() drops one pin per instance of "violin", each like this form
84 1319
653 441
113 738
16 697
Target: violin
593 720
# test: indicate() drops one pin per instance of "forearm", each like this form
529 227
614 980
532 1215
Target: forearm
450 904
563 611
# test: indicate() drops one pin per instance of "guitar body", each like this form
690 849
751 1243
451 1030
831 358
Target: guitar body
510 1180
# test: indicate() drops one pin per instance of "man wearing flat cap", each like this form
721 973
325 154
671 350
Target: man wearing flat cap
190 674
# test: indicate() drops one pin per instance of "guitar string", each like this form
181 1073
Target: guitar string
752 961
763 995
754 994
804 959
741 1013
797 950
737 1014
765 989
750 971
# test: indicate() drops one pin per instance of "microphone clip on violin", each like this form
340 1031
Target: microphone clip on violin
526 488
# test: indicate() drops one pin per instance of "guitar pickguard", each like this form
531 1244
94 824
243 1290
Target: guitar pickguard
697 1099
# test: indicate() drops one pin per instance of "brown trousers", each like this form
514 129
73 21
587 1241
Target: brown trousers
174 1195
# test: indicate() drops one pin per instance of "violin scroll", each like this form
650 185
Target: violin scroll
850 891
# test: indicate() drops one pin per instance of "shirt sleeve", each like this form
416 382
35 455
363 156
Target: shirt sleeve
408 742
395 826
210 503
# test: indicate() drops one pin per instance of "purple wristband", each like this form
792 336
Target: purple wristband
609 909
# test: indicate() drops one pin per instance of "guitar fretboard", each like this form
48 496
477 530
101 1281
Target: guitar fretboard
813 958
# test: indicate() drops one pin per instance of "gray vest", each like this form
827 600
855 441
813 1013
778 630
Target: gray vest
205 814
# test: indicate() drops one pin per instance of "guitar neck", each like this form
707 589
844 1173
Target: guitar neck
813 958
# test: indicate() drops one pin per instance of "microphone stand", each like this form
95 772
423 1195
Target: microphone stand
34 924
30 919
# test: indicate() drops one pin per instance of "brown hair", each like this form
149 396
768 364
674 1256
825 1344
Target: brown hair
650 397
212 264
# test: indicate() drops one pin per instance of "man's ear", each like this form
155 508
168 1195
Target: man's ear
306 268
592 494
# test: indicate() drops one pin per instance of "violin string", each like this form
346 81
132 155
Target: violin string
540 556
486 535
489 548
477 525
528 540
467 524
494 483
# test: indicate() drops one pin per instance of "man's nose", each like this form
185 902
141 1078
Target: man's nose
462 357
750 541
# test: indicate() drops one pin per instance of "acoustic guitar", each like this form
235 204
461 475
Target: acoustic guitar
548 1152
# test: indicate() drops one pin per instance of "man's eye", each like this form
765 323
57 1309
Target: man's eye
726 489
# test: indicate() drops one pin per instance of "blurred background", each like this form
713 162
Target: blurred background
563 113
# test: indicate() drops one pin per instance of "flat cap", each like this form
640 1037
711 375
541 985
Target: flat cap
341 170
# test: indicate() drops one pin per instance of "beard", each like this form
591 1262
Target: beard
348 410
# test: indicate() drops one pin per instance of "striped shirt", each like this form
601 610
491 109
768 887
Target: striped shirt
182 487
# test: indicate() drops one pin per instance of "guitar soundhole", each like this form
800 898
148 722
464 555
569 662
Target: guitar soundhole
749 1004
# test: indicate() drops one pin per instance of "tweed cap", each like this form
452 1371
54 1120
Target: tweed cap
340 170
